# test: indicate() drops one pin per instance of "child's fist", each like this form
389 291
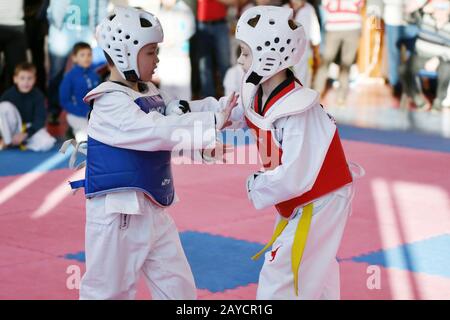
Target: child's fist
177 107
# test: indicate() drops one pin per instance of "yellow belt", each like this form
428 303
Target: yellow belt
22 147
298 246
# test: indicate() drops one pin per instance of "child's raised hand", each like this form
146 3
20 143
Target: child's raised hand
232 101
222 118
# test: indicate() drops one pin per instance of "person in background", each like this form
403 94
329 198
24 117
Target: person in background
213 46
22 113
76 83
233 77
432 52
13 42
343 31
70 21
174 67
306 15
399 33
36 27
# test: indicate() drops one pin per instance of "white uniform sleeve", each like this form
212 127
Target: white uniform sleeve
305 139
211 104
117 121
208 104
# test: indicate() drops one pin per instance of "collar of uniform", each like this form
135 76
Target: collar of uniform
142 86
282 89
296 101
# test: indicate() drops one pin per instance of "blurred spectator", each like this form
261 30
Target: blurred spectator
213 44
343 30
306 16
244 5
432 53
70 21
174 67
76 83
234 13
12 39
233 77
446 101
36 27
193 52
22 112
398 33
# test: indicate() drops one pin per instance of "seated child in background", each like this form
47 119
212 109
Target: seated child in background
23 114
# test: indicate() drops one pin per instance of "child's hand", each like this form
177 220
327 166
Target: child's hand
218 153
177 107
19 138
222 118
250 181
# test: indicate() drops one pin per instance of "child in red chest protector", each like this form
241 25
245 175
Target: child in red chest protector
306 176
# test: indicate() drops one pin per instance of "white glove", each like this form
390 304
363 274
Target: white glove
177 107
251 181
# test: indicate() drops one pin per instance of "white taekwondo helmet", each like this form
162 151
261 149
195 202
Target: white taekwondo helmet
124 33
276 41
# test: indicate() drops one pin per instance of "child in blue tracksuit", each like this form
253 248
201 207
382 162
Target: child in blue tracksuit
81 79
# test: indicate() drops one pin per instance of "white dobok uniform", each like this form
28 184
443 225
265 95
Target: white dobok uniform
304 132
126 233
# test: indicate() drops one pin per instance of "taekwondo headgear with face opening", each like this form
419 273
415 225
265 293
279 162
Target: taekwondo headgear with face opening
124 33
276 42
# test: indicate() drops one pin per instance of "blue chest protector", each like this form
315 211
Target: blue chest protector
111 169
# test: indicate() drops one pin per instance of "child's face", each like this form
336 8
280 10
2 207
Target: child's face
83 58
245 59
147 61
24 80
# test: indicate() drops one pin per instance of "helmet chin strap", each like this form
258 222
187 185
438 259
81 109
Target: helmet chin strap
248 89
130 75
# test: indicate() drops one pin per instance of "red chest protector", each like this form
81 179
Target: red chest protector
333 174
